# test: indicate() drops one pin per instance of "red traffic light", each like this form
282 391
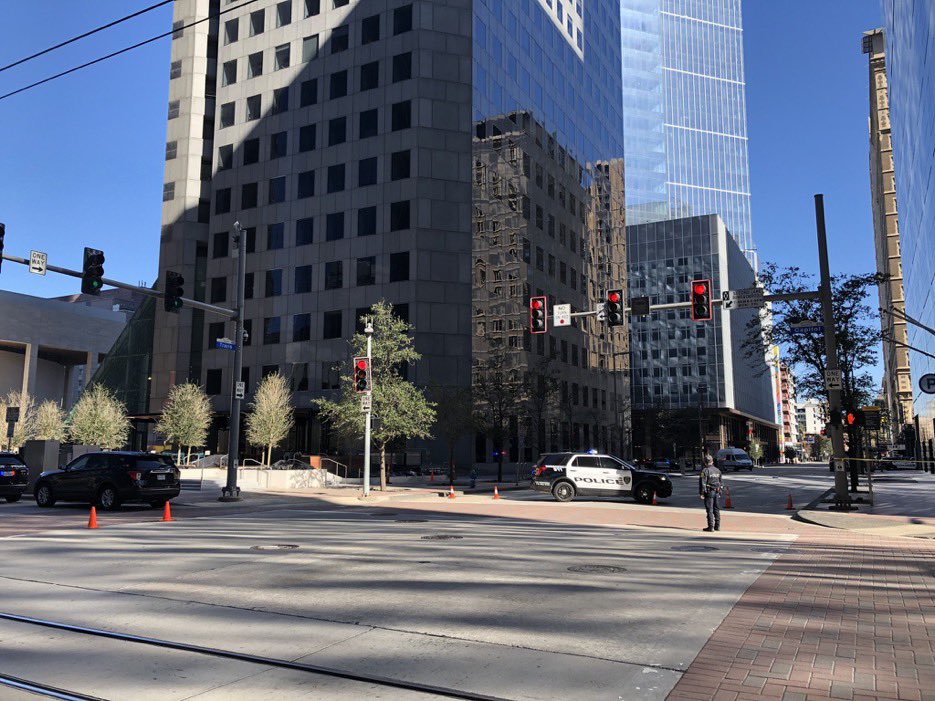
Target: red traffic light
701 309
361 364
536 303
613 296
700 288
851 418
537 315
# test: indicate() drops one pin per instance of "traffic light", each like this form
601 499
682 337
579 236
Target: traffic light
92 271
174 292
613 307
362 378
701 300
855 418
2 234
835 417
538 311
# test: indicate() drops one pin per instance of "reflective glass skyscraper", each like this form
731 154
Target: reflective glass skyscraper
684 110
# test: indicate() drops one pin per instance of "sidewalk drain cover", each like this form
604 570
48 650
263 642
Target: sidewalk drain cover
597 569
693 548
442 537
412 520
275 546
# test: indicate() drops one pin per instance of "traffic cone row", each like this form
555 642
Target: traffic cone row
496 492
166 514
728 504
655 503
451 492
92 521
789 506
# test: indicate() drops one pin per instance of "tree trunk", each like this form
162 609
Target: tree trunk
382 468
188 456
178 460
269 453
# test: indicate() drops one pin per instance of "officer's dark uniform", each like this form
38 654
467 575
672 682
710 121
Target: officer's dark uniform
709 486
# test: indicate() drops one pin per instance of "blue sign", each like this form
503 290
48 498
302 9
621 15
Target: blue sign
805 330
224 344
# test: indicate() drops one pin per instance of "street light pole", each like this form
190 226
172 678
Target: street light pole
368 330
231 492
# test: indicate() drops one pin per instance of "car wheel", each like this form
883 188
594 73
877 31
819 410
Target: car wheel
44 495
107 498
563 491
14 497
643 493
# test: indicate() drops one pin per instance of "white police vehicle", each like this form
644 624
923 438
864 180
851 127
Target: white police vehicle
567 475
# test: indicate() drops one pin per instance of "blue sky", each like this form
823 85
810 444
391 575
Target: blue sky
82 158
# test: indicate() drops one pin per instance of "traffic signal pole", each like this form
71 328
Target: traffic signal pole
368 330
842 498
231 492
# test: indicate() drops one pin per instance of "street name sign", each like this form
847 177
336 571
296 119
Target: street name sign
240 389
833 379
37 262
561 315
224 344
802 328
741 299
927 383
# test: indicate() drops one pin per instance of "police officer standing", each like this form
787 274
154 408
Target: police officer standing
709 486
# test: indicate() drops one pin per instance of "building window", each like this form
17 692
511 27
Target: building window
229 73
257 22
334 226
367 221
368 124
367 172
221 245
307 138
331 326
277 190
253 108
275 235
340 39
274 283
268 370
248 286
399 215
215 331
402 115
312 7
334 275
399 165
175 105
304 230
248 195
399 266
178 29
175 70
218 290
222 201
271 329
251 151
338 85
231 31
308 93
255 65
340 3
309 48
281 57
226 115
284 13
337 131
402 19
336 178
303 279
306 184
168 192
250 232
370 29
280 101
225 157
366 271
213 381
301 328
370 76
402 67
278 144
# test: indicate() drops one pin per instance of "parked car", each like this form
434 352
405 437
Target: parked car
664 464
567 475
13 477
110 479
733 459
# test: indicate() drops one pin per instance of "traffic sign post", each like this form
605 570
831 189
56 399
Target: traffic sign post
745 298
639 306
240 389
37 262
224 344
561 315
804 328
833 380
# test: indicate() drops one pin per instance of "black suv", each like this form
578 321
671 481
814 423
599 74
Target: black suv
13 476
110 479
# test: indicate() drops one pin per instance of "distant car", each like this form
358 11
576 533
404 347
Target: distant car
567 475
111 479
13 477
665 464
733 459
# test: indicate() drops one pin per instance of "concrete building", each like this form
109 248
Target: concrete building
897 381
50 347
688 367
790 423
812 415
339 134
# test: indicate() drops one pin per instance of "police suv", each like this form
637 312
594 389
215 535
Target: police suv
567 475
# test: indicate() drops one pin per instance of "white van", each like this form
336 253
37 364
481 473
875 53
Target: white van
733 458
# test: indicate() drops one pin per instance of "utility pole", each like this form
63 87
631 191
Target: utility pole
367 401
702 391
842 498
231 492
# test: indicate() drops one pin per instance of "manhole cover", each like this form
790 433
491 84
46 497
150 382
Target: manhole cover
411 520
597 569
275 546
442 537
693 548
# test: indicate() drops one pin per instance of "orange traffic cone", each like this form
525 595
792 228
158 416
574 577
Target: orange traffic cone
789 506
496 492
655 503
451 492
166 513
728 504
92 521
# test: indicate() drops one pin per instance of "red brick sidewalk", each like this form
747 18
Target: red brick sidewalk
841 616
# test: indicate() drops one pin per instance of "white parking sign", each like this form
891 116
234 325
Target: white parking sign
927 383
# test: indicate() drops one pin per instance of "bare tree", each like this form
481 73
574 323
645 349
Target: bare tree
453 420
186 416
270 418
498 399
50 422
100 419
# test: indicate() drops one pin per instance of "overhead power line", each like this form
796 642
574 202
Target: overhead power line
127 49
86 34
